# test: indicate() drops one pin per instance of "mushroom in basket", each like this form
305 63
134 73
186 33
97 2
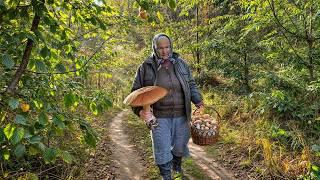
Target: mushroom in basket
205 125
145 97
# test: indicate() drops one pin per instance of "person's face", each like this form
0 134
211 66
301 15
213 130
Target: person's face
163 48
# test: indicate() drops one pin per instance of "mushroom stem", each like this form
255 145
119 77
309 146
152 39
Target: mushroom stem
147 108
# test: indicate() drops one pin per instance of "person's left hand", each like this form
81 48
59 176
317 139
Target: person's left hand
200 108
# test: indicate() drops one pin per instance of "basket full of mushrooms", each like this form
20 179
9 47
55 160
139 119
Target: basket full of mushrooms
204 128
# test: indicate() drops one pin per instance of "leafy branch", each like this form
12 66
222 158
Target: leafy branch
75 70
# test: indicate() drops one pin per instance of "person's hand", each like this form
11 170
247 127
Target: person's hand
148 118
146 115
200 108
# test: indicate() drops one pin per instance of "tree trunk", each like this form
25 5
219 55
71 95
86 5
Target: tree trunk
310 42
198 51
246 74
25 58
311 63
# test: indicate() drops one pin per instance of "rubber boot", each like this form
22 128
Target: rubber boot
176 163
165 170
176 168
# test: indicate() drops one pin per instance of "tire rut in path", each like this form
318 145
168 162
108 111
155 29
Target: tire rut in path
124 156
207 164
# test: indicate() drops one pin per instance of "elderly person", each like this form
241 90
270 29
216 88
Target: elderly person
173 112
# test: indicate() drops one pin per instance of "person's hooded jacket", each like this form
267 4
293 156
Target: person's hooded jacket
146 76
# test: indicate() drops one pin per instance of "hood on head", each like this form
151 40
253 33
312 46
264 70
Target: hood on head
154 44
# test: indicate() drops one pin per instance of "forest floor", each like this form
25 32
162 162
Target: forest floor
117 158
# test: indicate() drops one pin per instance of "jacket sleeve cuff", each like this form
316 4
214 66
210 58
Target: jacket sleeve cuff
199 104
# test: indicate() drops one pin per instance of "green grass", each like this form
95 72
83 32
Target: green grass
192 169
140 136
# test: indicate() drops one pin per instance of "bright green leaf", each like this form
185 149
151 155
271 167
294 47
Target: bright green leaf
19 119
8 131
17 135
68 100
67 48
93 108
315 168
13 103
160 16
38 104
172 4
20 150
6 154
2 116
7 61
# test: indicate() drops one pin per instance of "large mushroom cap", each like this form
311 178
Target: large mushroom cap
145 96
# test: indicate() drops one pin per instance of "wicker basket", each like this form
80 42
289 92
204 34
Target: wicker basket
201 140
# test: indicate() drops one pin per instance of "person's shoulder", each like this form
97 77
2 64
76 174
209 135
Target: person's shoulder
182 61
146 63
149 60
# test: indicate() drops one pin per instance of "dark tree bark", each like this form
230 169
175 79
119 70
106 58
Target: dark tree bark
246 74
198 51
25 58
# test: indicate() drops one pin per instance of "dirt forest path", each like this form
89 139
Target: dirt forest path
126 159
129 166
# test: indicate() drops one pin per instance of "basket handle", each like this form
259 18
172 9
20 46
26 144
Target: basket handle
219 117
214 109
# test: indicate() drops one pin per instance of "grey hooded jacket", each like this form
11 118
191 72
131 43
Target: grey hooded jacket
146 76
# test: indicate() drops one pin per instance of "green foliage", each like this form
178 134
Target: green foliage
13 103
20 150
285 138
7 61
280 103
51 96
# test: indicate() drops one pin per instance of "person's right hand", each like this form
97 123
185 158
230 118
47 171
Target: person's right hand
147 116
